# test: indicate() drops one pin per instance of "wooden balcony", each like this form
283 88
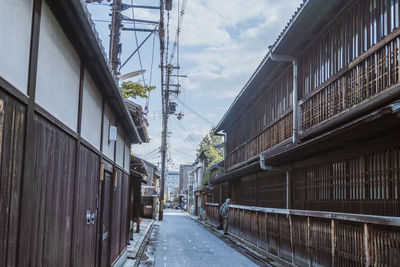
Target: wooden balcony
276 132
372 74
309 238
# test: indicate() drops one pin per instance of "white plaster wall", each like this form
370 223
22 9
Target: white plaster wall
15 36
57 88
108 147
127 156
120 146
91 112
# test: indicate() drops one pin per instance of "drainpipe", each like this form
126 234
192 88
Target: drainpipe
225 137
280 58
288 189
265 167
288 173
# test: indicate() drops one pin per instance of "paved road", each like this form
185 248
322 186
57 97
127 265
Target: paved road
180 241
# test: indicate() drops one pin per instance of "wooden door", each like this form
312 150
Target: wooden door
86 209
105 221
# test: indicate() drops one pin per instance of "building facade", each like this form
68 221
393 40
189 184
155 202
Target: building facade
172 185
312 159
65 139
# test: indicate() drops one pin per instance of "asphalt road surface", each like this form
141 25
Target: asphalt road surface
180 241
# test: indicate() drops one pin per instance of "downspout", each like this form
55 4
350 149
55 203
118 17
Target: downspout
265 167
288 173
288 189
280 58
225 139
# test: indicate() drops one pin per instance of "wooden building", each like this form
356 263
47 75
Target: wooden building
312 159
65 138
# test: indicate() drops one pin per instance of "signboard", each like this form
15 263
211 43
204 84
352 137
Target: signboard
112 136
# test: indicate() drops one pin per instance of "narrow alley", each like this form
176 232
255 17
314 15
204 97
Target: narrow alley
180 241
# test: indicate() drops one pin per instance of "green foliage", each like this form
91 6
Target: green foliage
213 155
131 89
209 140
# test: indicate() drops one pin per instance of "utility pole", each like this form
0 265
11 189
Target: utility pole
164 103
115 36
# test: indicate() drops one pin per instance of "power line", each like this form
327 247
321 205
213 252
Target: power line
196 113
183 152
185 134
137 44
181 13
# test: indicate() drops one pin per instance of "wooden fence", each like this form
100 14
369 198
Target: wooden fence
315 238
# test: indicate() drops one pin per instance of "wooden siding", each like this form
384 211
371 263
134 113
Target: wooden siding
352 60
116 218
367 183
315 238
124 225
265 124
259 189
51 220
86 196
12 129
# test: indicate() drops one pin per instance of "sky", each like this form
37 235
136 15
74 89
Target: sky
221 44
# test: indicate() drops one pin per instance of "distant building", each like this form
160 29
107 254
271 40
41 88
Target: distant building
184 173
171 185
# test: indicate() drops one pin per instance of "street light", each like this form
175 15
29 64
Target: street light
131 74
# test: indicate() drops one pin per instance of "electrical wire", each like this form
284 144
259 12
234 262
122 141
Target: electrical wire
185 134
146 108
183 152
196 113
181 14
137 44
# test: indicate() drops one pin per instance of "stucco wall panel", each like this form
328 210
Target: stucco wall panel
15 35
127 156
91 112
58 76
120 146
108 147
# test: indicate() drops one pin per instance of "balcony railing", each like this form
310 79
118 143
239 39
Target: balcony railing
314 238
370 74
276 132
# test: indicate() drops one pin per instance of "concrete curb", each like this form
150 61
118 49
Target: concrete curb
136 253
236 240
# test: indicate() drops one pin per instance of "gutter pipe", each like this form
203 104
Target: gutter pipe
283 58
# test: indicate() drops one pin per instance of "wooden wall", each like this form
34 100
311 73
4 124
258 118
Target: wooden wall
87 191
49 174
12 129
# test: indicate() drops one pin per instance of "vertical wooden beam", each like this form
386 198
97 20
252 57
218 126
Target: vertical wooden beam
291 236
309 241
367 244
266 233
333 241
77 154
103 104
80 101
26 249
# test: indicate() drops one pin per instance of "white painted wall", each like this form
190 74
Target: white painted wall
108 147
91 112
57 88
120 146
15 35
127 156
